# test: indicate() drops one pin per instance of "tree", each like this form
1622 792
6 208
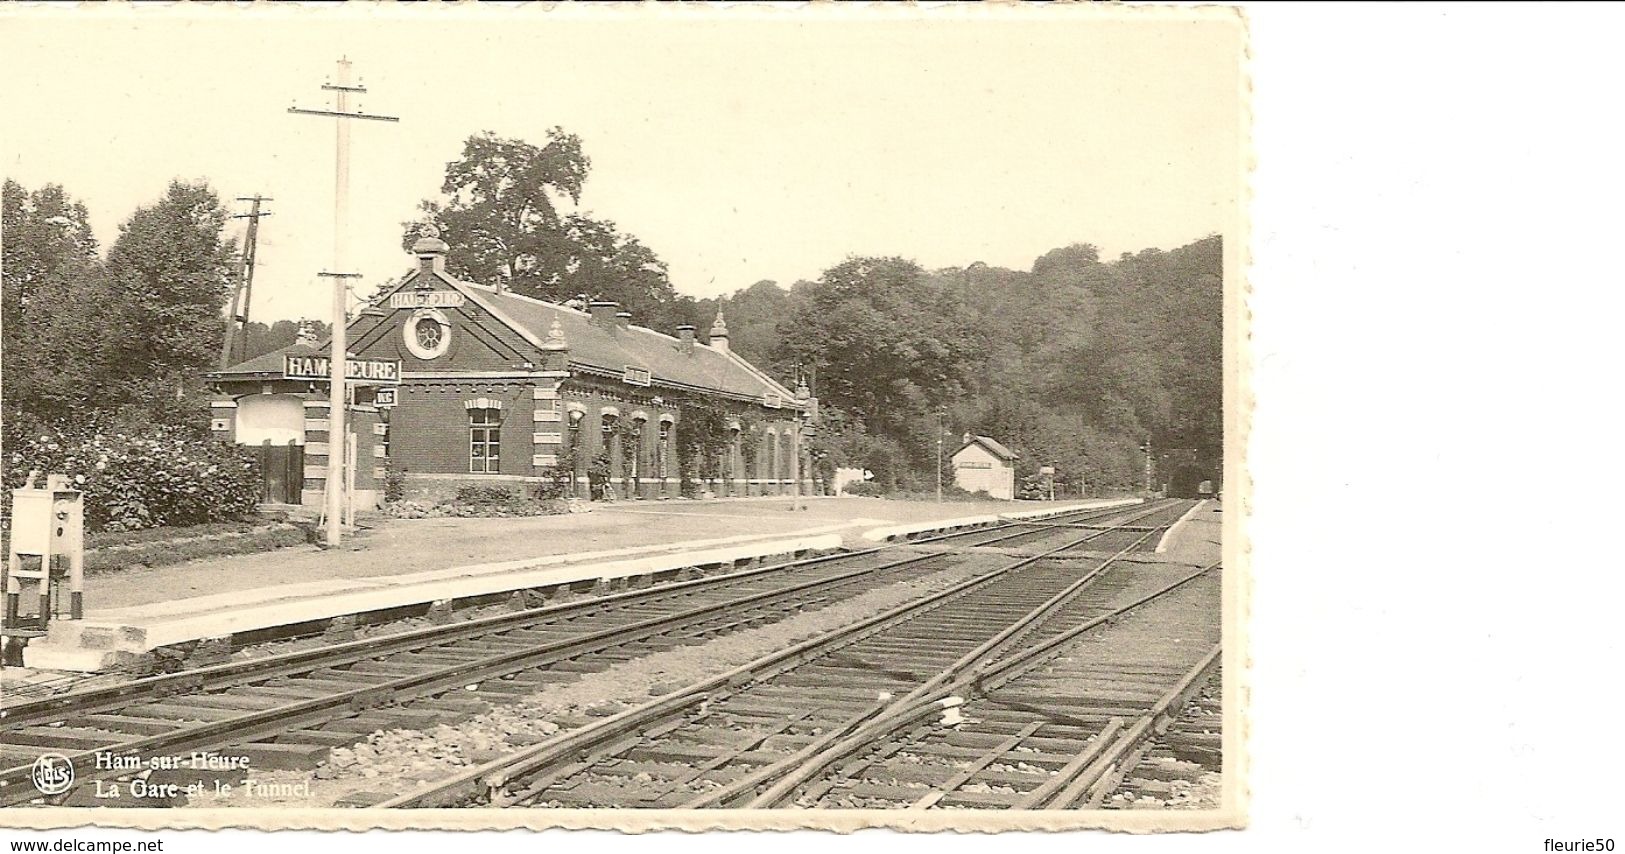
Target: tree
504 218
54 290
262 339
887 349
170 273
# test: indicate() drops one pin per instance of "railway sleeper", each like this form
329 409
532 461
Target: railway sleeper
697 754
937 776
956 753
130 725
63 737
178 712
984 741
1094 700
678 774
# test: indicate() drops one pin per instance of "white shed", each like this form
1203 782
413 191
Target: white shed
984 464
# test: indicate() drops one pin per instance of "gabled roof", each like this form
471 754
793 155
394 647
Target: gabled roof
609 350
266 364
992 446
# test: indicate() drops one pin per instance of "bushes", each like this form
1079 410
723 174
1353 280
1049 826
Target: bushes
140 476
864 489
394 484
475 493
184 544
481 501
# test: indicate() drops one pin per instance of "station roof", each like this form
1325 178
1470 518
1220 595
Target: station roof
266 364
608 349
993 447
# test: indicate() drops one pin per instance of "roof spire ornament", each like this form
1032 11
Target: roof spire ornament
429 245
719 333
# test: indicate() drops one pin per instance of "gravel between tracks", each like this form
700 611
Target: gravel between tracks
395 761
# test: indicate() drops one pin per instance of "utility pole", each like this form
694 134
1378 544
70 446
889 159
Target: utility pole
1147 448
232 350
803 395
338 358
941 425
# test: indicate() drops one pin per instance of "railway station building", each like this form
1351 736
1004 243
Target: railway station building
456 383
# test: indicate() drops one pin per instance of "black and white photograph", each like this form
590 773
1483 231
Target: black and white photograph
625 418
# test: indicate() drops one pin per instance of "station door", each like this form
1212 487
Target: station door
282 471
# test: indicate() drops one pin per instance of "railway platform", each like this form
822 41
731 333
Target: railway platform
401 565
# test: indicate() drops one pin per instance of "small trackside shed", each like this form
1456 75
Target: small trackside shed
982 464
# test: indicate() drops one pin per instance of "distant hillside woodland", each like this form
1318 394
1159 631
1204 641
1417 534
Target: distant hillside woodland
1073 363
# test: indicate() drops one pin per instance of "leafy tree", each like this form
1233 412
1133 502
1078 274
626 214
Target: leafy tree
170 272
262 339
505 218
54 290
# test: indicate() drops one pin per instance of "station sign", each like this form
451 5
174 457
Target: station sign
384 397
634 375
1046 469
376 371
426 299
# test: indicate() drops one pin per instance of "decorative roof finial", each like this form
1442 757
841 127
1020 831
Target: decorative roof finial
719 333
555 337
428 243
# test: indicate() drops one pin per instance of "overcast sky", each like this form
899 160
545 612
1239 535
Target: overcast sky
761 145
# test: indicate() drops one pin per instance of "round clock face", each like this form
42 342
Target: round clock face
427 334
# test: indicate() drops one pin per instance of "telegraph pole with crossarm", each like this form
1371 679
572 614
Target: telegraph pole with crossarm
338 359
236 345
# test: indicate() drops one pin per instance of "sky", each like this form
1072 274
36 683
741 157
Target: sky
739 144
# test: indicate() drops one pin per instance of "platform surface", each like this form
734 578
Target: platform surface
399 561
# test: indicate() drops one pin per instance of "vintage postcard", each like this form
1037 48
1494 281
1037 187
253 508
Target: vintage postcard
652 416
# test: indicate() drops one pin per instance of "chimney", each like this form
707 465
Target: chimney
685 338
430 249
603 313
623 319
719 333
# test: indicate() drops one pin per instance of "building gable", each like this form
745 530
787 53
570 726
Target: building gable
472 337
979 456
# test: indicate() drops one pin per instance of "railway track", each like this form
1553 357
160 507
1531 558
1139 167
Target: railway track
747 737
286 711
1082 534
1057 728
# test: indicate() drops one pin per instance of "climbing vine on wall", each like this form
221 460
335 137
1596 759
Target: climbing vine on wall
631 442
703 438
750 441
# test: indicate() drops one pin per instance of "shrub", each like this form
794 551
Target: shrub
865 489
473 493
144 476
487 510
194 544
394 484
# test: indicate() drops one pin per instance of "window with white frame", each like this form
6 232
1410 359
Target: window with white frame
485 440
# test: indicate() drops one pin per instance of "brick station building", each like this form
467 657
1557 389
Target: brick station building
495 387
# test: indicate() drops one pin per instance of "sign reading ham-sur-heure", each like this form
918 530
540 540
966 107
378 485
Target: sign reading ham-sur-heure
356 370
426 299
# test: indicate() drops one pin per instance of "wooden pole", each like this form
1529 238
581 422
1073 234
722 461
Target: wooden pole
334 498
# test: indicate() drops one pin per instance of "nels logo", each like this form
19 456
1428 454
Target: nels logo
53 773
